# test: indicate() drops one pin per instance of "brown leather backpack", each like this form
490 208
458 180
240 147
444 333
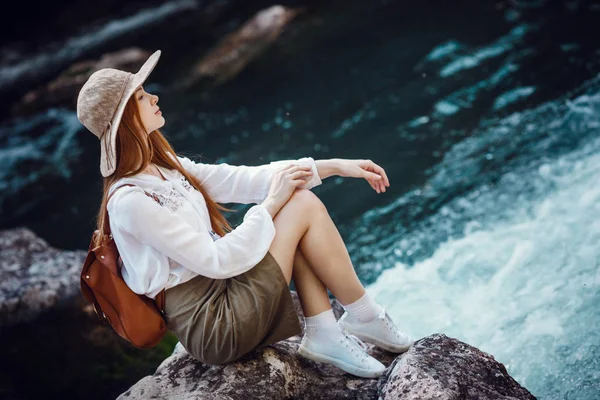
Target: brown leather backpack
136 318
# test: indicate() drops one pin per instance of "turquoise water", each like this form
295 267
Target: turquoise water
519 274
485 117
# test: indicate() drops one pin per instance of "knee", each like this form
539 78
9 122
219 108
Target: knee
306 200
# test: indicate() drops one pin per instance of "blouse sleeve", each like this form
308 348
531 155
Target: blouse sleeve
238 251
243 184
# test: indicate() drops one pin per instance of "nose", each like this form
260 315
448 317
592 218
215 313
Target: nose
155 98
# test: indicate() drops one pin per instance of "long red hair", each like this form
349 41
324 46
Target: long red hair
141 150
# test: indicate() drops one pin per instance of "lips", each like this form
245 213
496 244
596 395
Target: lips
158 111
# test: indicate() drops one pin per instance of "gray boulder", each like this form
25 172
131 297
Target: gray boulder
240 47
34 276
38 278
435 367
443 368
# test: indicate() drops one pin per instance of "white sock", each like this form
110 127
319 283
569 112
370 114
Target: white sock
322 326
363 309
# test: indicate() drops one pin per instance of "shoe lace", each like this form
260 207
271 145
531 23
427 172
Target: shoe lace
385 317
355 345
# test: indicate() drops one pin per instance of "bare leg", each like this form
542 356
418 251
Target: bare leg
309 249
304 223
311 291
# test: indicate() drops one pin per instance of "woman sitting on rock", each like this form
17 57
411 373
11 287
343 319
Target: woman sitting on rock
227 290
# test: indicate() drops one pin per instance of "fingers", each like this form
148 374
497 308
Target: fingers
372 185
381 183
286 168
298 182
297 174
293 167
375 185
380 171
301 175
375 181
303 167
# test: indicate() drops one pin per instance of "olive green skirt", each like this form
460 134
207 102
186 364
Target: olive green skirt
220 320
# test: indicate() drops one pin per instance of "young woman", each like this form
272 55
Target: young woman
227 290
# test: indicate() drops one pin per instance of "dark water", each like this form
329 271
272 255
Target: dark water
483 115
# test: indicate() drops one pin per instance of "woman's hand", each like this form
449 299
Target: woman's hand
367 169
284 183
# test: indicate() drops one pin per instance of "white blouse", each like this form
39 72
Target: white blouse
170 241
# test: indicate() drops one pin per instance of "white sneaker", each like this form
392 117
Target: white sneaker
381 331
346 352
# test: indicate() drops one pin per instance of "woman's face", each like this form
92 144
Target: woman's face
149 110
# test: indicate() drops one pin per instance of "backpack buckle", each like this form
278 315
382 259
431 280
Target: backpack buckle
99 313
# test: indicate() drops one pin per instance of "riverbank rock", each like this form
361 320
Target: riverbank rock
440 367
435 367
35 276
237 49
51 334
39 280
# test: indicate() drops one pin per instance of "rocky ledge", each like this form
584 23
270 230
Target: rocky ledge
35 276
38 279
435 367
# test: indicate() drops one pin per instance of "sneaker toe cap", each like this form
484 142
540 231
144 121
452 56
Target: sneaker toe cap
375 365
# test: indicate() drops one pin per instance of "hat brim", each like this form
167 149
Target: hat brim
108 152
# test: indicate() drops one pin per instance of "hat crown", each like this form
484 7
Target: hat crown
99 98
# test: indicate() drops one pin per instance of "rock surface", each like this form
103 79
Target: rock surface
435 367
35 276
439 367
38 278
237 49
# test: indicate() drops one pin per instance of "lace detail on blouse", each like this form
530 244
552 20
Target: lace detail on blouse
169 198
184 182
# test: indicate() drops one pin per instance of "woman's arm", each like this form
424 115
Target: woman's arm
248 184
134 213
327 167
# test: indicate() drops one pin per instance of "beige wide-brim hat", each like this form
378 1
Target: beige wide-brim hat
101 102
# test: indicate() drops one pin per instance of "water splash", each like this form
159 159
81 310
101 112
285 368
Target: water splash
505 254
34 148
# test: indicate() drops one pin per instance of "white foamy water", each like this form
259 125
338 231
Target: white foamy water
469 61
518 273
34 148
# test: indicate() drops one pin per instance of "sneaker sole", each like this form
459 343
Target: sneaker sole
379 343
363 373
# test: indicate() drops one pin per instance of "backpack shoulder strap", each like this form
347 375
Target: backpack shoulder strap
106 218
159 300
115 190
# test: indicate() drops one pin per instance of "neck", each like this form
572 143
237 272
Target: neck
153 170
